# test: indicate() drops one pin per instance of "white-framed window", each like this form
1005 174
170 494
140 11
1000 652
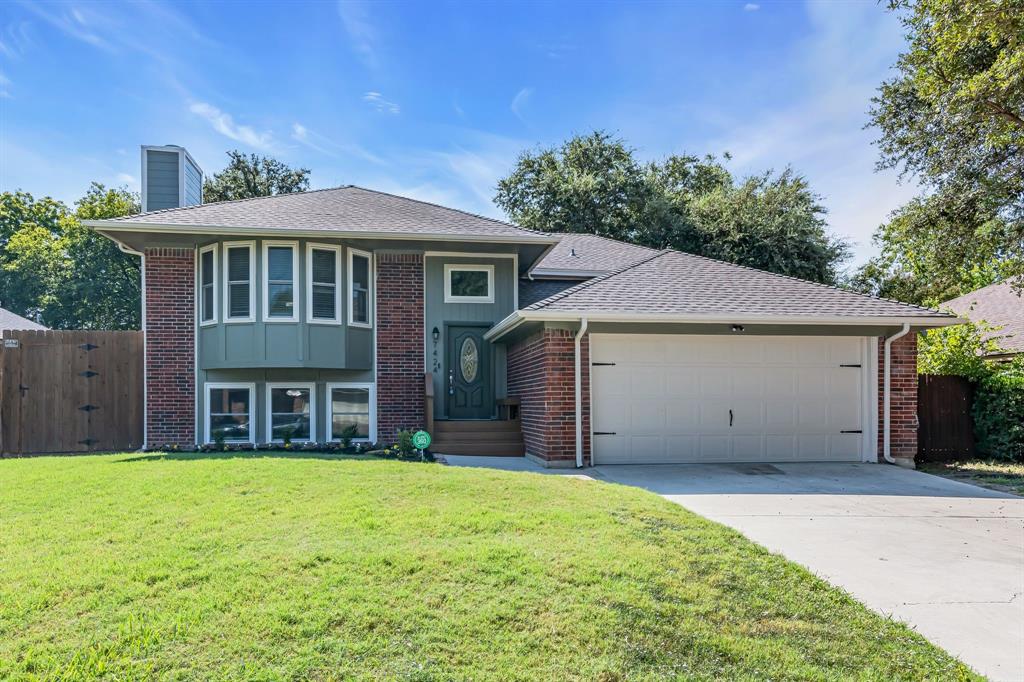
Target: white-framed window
291 411
229 411
323 283
239 272
352 404
280 271
360 286
468 283
208 285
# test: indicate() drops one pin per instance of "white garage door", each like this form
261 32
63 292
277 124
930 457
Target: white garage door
660 398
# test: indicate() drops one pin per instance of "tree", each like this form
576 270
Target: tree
953 117
254 176
62 274
594 184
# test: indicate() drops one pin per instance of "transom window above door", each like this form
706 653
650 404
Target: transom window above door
468 283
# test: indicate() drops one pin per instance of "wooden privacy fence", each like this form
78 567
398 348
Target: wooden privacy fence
946 429
70 391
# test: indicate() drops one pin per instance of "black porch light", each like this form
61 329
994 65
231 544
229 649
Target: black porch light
435 334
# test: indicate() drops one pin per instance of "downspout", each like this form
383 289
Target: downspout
579 393
885 389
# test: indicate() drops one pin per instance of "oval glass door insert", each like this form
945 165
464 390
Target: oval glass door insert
469 360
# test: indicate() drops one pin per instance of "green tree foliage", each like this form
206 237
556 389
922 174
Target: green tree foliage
953 118
62 274
254 176
594 184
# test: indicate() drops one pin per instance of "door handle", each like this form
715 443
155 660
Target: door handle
730 418
451 382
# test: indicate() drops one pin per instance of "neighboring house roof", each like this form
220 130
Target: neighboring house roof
588 255
9 320
674 286
348 209
997 305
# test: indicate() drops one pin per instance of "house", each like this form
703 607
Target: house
999 306
347 310
9 320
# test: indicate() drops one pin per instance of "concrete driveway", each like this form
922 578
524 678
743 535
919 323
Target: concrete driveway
943 556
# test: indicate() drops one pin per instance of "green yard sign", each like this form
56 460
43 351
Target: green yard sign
421 440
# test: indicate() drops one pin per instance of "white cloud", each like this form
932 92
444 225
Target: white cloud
325 145
380 104
751 7
73 22
520 101
224 124
355 19
127 179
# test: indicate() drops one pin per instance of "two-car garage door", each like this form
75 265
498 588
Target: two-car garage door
660 398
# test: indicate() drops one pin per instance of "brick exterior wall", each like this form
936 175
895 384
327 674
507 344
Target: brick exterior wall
170 346
903 397
541 373
400 329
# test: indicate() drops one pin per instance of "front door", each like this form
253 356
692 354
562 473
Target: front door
469 382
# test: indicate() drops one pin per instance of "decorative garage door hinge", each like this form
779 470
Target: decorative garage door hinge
849 365
852 431
602 364
604 433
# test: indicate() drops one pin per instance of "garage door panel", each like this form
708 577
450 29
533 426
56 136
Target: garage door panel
668 398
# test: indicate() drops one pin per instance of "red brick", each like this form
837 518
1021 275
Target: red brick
399 328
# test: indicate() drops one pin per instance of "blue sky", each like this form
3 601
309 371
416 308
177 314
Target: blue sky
435 100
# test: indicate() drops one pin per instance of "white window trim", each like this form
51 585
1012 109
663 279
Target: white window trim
294 246
371 293
252 283
310 247
311 387
207 387
216 273
329 413
449 268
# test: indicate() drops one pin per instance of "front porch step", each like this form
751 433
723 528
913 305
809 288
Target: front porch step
479 437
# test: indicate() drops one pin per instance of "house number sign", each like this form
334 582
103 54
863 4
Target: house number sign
421 440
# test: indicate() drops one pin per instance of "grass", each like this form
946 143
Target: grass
294 567
996 474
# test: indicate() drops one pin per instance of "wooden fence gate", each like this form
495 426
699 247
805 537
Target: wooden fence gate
944 413
70 391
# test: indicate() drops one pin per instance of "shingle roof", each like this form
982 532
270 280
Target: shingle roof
342 209
591 253
675 283
9 320
997 305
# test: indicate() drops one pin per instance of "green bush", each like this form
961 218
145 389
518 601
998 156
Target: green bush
999 414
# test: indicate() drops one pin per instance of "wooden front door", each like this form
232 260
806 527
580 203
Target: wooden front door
470 384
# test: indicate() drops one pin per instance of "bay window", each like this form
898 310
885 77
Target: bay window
360 277
280 267
323 273
207 281
238 276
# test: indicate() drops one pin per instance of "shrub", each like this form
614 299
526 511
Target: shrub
349 433
999 414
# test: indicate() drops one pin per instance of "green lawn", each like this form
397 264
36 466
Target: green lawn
996 474
293 567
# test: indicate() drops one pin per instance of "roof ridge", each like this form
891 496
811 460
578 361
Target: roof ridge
834 287
449 208
231 201
601 236
590 282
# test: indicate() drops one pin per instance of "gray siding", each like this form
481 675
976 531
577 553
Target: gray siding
193 183
439 313
161 180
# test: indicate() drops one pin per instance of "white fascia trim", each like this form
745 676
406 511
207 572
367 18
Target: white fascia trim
449 268
294 246
310 247
520 316
166 228
208 386
307 385
199 286
329 412
371 286
252 283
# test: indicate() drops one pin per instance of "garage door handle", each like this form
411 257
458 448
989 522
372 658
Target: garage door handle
852 431
604 433
730 418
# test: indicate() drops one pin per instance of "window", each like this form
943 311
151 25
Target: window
290 412
323 265
360 274
229 413
469 283
238 275
280 266
352 405
207 280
